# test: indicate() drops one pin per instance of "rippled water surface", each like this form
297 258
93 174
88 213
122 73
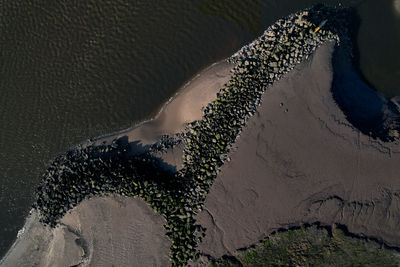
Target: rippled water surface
70 70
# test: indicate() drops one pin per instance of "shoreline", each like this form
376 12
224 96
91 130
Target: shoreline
75 241
173 118
27 225
220 68
187 86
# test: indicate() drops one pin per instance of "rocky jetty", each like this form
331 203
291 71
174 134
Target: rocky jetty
283 45
116 169
100 170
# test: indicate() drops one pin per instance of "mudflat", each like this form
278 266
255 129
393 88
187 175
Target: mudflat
299 161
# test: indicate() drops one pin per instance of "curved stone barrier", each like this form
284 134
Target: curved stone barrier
106 169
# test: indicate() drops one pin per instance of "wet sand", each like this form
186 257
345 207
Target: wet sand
185 107
299 161
114 230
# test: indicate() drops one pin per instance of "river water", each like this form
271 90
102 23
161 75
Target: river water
71 70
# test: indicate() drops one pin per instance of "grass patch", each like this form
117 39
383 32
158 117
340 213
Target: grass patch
312 247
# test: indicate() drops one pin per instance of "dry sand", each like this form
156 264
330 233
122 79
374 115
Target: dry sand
304 165
103 231
118 231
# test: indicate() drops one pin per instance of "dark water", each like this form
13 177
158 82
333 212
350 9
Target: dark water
70 70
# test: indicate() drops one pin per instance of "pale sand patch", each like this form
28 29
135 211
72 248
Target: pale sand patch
187 106
40 246
306 165
119 231
103 231
396 5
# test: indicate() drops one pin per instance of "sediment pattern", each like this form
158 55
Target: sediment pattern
114 169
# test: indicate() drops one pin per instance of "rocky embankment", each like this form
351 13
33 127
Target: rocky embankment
120 168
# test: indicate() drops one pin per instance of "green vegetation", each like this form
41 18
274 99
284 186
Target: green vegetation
312 247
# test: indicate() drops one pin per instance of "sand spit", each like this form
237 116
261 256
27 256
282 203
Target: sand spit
299 161
185 107
103 231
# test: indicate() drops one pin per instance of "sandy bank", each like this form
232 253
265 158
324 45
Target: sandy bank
302 162
103 231
185 107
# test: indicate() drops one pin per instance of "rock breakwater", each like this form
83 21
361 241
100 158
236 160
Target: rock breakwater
101 170
116 169
283 45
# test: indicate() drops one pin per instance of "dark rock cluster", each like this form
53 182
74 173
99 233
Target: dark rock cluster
114 169
166 142
100 170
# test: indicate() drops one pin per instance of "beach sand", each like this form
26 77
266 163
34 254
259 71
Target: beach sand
114 230
103 231
185 107
299 161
